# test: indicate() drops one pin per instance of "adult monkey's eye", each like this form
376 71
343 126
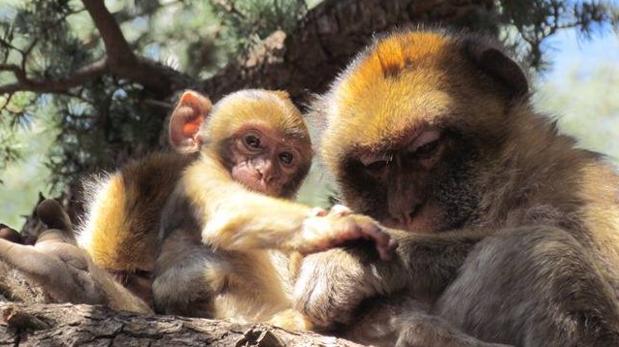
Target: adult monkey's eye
286 158
426 144
252 141
375 163
376 166
427 149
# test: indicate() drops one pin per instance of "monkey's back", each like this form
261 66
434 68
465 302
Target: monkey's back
124 211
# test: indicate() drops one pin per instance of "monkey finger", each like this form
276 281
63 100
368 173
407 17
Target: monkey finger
385 245
361 227
340 210
318 212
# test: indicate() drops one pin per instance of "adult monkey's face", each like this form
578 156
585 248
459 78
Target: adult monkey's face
410 124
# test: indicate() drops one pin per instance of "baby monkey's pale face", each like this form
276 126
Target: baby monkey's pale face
264 161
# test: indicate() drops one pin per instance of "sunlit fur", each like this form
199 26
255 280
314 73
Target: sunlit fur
399 83
61 270
229 248
123 209
514 169
233 253
273 110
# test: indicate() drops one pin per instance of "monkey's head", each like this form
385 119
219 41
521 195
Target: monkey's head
410 123
258 135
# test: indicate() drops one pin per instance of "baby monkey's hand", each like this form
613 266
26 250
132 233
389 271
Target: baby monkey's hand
327 229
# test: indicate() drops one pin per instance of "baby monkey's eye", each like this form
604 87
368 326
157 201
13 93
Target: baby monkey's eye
286 158
252 141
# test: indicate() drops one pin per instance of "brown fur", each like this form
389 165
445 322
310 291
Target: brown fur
514 232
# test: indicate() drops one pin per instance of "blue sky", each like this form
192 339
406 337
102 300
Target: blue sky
567 49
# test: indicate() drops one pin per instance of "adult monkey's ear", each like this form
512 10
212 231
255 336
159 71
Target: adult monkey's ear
493 62
187 118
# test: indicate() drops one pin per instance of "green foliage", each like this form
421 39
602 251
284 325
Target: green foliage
108 121
248 21
22 180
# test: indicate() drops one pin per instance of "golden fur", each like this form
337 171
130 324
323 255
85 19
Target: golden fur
122 222
233 249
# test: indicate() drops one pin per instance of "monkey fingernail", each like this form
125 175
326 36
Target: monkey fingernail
318 212
340 210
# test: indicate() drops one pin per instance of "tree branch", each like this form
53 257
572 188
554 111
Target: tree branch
116 46
119 61
78 78
306 60
327 38
123 63
65 324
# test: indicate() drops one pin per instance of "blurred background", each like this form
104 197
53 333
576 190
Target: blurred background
86 85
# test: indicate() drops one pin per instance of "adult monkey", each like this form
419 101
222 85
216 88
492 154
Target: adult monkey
513 234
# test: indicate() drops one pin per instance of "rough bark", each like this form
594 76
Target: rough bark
329 36
72 325
304 61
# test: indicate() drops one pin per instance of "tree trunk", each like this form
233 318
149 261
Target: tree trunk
71 325
330 35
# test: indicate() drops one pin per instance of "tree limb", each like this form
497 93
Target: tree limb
65 324
78 78
327 38
123 63
116 46
119 61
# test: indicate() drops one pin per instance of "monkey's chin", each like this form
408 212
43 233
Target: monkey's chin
262 189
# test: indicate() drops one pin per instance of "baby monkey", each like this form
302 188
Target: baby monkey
231 236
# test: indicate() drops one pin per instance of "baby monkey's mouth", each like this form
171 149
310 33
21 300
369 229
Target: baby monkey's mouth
259 186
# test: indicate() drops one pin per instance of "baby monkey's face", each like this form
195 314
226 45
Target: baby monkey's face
265 161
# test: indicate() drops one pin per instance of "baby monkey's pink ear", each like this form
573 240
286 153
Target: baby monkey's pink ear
187 117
